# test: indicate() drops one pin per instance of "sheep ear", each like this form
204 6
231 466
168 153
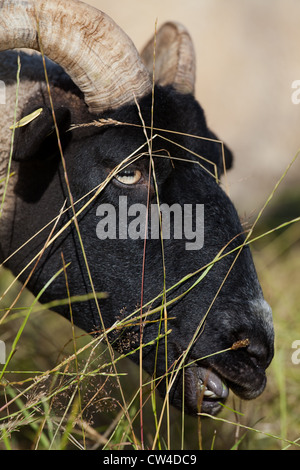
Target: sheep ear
174 54
228 158
223 156
35 137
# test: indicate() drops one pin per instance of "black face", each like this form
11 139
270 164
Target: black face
196 284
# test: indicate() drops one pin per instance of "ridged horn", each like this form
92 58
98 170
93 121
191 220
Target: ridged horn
99 57
174 57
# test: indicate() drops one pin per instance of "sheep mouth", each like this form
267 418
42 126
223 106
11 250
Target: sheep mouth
206 391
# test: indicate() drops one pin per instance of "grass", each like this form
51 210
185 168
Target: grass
46 411
62 389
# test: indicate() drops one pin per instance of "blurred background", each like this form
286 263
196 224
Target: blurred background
248 56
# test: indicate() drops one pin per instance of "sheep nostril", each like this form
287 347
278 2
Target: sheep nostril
259 354
255 360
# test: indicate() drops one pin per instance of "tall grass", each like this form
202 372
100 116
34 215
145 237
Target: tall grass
40 389
61 388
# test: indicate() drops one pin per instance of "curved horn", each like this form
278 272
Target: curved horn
99 57
174 57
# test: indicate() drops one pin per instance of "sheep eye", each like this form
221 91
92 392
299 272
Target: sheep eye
129 176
